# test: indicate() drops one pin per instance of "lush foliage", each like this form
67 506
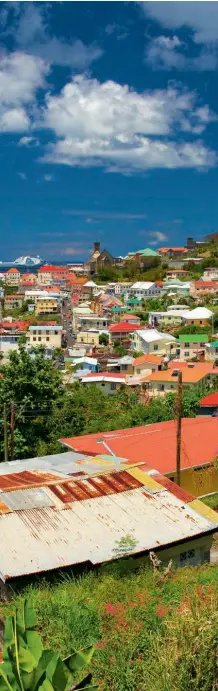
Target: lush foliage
150 635
27 666
46 411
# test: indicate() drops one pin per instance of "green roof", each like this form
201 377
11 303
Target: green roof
214 343
133 301
148 252
117 309
193 338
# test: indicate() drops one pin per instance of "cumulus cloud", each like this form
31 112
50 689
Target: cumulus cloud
107 124
48 177
28 141
20 77
202 18
156 236
31 33
167 53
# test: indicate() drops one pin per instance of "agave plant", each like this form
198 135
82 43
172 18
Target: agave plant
27 666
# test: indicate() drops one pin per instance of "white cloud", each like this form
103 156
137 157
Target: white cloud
48 178
28 141
30 32
165 52
110 125
156 236
22 176
200 17
20 77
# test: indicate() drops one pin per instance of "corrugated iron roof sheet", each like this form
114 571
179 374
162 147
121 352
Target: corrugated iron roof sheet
91 530
64 518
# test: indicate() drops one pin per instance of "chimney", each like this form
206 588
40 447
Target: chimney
96 246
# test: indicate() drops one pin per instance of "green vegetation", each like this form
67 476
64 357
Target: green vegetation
211 500
28 666
152 633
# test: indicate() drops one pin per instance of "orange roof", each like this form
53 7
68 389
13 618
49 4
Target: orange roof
178 271
15 295
163 250
190 374
206 284
12 271
156 444
153 359
76 281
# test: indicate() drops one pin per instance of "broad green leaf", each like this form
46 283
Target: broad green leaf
8 632
62 677
29 614
27 662
40 672
80 658
34 643
46 686
8 686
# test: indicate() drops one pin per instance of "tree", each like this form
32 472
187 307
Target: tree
33 384
28 666
103 339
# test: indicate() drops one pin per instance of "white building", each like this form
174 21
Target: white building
153 342
210 274
144 289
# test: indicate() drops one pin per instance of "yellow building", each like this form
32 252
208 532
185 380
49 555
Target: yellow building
90 337
46 305
48 336
12 277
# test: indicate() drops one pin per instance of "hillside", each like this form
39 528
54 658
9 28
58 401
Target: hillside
150 635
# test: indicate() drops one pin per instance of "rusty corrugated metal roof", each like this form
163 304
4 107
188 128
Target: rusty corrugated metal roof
90 531
61 518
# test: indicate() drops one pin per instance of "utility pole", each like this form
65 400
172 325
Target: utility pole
5 433
179 426
12 430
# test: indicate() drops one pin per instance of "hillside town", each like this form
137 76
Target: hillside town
127 350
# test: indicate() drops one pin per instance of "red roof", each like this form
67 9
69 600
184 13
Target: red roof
123 327
211 400
53 269
159 284
156 444
17 325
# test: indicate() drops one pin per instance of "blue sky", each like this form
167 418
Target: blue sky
108 125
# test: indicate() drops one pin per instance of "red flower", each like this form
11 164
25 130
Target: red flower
110 609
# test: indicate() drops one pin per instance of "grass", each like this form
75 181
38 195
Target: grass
211 500
149 635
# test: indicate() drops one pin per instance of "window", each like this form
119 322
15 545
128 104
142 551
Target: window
56 333
172 386
113 386
202 345
155 346
186 353
161 387
34 338
93 340
186 345
47 333
47 338
200 321
187 557
39 338
81 340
